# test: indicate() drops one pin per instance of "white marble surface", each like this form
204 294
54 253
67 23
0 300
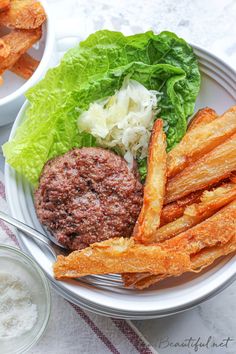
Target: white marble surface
214 318
210 24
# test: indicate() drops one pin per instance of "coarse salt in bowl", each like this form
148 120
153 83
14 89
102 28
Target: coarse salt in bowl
19 266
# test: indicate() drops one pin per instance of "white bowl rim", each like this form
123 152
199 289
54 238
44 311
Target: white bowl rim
48 50
138 313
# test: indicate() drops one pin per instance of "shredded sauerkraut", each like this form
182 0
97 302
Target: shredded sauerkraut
124 121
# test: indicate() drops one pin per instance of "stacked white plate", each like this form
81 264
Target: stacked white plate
106 294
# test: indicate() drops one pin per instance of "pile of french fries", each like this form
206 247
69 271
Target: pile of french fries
24 20
188 218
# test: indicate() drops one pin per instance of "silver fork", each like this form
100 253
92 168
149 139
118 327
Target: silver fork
30 231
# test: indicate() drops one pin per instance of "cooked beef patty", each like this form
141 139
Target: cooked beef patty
88 195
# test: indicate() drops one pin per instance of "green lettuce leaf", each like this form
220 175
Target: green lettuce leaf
94 70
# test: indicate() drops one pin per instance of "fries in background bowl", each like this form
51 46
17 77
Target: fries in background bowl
23 14
197 223
4 5
24 19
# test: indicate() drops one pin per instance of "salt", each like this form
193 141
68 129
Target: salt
17 312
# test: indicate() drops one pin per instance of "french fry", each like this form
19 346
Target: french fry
202 117
119 255
211 201
1 80
207 256
23 14
200 261
149 217
218 231
142 281
19 42
175 210
131 279
4 5
4 49
218 228
25 66
233 177
211 168
200 141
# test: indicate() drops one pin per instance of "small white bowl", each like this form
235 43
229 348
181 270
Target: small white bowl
13 89
17 263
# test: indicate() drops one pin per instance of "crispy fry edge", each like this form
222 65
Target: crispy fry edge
154 190
19 42
119 256
213 167
200 141
202 117
24 14
210 202
4 5
175 210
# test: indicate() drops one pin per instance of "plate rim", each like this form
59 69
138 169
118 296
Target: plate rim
93 305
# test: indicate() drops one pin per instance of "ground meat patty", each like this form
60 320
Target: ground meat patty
88 195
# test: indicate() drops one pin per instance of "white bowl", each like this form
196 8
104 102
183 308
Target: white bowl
218 90
16 262
13 89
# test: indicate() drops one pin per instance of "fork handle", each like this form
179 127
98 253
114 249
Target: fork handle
27 230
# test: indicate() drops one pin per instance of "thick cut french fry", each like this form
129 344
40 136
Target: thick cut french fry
218 231
233 177
4 49
211 201
19 42
202 117
4 5
175 210
211 168
218 228
25 66
119 256
23 14
149 218
199 261
200 141
207 256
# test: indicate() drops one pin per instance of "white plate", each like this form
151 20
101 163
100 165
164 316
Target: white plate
218 90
